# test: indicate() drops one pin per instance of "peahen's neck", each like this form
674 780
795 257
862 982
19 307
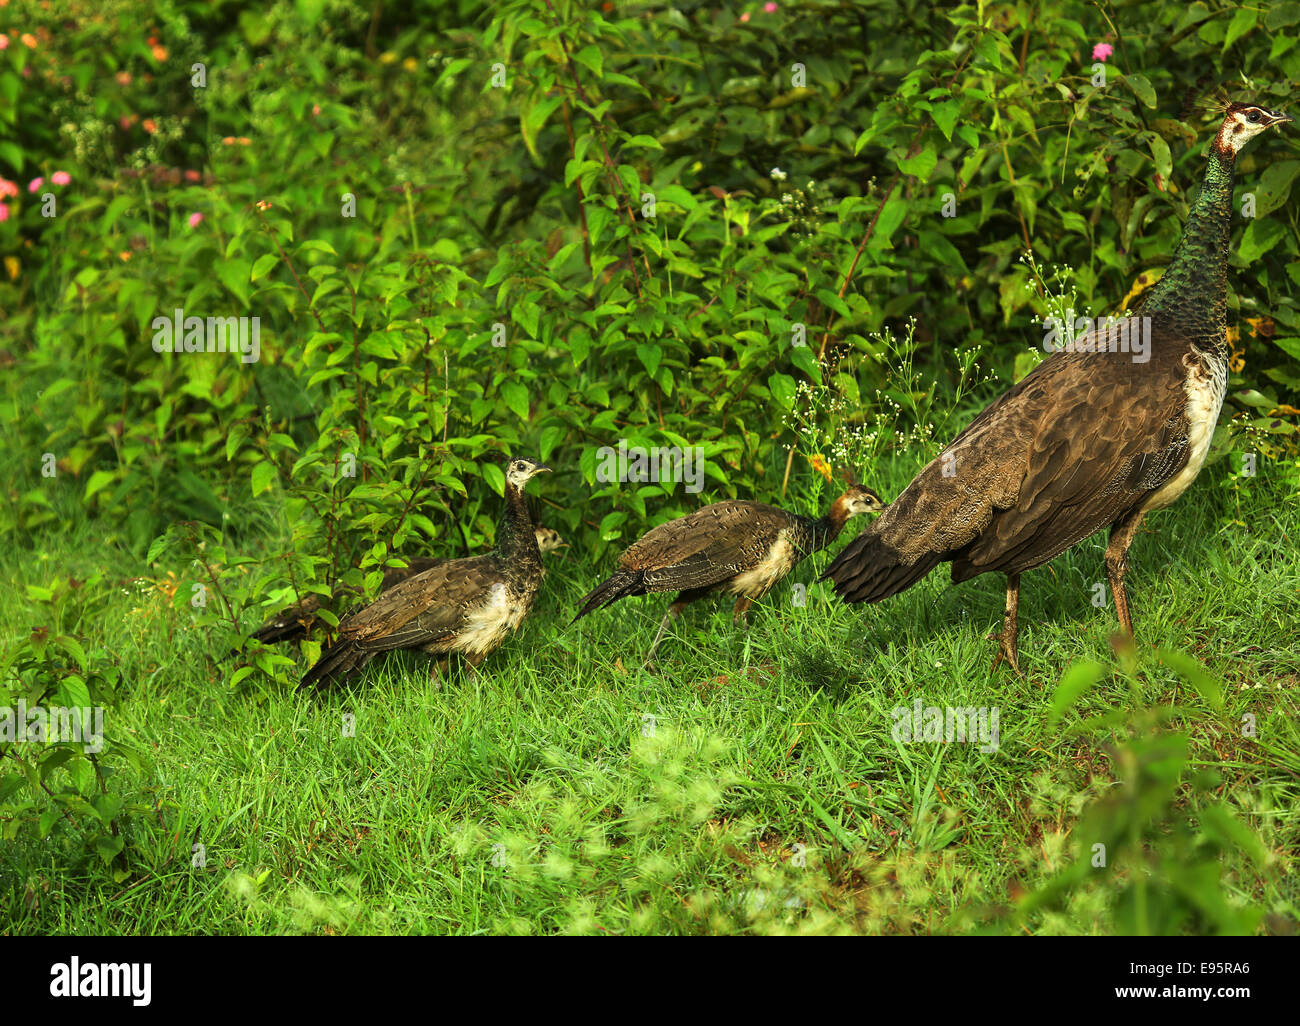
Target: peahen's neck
517 539
824 530
1192 295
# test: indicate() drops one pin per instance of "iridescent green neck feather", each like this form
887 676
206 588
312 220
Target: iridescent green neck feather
1191 297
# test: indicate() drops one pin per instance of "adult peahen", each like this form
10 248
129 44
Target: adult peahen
1093 437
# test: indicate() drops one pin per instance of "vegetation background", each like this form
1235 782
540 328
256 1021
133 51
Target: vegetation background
541 226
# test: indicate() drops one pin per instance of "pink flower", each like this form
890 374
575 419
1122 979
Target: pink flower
196 219
35 184
8 188
60 178
191 176
769 8
4 41
745 16
4 211
1101 51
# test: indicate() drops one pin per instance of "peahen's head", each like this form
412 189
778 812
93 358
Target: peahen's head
522 469
1241 123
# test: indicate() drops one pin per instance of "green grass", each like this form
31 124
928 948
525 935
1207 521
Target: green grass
761 741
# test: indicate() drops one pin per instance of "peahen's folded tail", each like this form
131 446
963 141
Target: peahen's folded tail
869 570
335 664
611 590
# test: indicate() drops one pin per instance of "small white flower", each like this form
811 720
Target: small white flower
777 174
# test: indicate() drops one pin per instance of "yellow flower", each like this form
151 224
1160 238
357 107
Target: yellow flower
820 465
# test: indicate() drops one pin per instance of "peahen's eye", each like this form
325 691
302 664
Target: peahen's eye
1253 117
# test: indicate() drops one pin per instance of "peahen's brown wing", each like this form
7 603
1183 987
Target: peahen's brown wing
706 547
421 608
1064 453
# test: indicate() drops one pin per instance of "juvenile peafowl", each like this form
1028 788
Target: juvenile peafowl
1093 437
461 605
299 619
735 547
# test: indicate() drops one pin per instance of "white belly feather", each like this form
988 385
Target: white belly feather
487 627
778 562
1207 384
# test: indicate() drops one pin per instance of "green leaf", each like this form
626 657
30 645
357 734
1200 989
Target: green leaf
1261 235
108 847
98 480
551 437
234 274
1142 89
263 264
263 475
534 118
1275 185
516 398
1078 679
650 356
921 164
1242 22
1196 675
1160 154
945 116
783 389
495 477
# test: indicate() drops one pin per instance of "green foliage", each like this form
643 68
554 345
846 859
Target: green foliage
799 239
58 767
1162 864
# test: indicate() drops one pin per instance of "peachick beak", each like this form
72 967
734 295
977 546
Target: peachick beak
1281 117
542 468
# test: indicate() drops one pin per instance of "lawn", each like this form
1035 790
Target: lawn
750 782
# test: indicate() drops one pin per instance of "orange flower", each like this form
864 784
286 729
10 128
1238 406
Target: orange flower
150 126
1237 361
159 53
820 465
28 40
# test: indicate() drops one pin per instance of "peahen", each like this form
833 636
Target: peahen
1093 437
